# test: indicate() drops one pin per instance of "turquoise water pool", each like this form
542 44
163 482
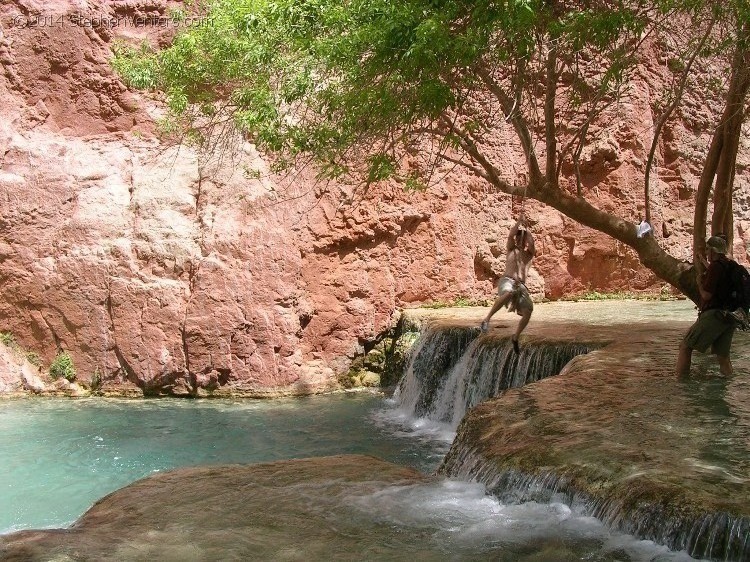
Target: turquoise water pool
57 457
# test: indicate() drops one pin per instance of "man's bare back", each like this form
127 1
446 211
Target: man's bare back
520 252
517 264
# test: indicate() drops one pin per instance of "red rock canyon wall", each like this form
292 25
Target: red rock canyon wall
168 271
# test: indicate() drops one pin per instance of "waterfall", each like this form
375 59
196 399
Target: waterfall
437 351
451 369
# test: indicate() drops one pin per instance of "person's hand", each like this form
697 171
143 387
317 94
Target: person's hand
704 261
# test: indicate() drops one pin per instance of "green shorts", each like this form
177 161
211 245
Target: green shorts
712 329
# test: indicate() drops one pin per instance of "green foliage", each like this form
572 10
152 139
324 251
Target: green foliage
137 67
8 339
458 302
380 167
33 358
351 83
176 14
663 295
96 379
676 64
62 366
597 296
414 183
251 173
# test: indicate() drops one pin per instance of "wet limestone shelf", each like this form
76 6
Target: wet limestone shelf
267 511
662 458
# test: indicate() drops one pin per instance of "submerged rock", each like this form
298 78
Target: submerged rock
271 511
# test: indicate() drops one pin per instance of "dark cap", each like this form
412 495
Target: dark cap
717 244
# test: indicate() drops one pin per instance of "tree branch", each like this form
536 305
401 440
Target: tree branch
473 169
549 119
468 145
519 124
667 114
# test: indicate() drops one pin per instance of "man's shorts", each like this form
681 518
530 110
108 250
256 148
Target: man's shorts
521 300
713 329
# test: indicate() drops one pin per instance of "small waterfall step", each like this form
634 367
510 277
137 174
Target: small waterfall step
453 368
618 437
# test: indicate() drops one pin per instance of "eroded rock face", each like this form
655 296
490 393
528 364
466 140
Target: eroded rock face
17 374
167 271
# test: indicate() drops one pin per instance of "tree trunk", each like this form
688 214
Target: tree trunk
703 194
668 268
721 160
722 219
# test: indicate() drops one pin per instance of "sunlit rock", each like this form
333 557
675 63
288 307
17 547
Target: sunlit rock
270 511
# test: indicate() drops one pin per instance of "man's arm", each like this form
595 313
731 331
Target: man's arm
530 244
707 286
510 244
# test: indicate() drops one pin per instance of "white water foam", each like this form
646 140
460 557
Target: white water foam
400 422
460 513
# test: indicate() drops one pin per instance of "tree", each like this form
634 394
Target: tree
722 155
360 85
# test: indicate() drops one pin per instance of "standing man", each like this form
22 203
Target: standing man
714 327
511 288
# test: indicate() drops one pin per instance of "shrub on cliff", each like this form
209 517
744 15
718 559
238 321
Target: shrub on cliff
135 65
8 340
62 367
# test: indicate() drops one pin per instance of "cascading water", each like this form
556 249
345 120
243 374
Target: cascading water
452 369
436 352
713 536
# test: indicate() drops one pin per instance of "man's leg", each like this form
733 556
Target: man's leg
522 323
725 365
498 304
722 348
684 358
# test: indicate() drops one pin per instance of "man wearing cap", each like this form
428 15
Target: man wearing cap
511 288
712 329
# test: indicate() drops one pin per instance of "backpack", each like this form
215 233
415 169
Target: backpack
735 291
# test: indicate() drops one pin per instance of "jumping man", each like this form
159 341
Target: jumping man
511 288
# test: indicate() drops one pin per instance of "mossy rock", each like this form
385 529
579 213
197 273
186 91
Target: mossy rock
386 360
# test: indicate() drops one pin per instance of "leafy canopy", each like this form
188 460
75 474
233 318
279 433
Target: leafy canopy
353 82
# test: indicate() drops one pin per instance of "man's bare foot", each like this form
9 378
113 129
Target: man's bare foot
485 325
